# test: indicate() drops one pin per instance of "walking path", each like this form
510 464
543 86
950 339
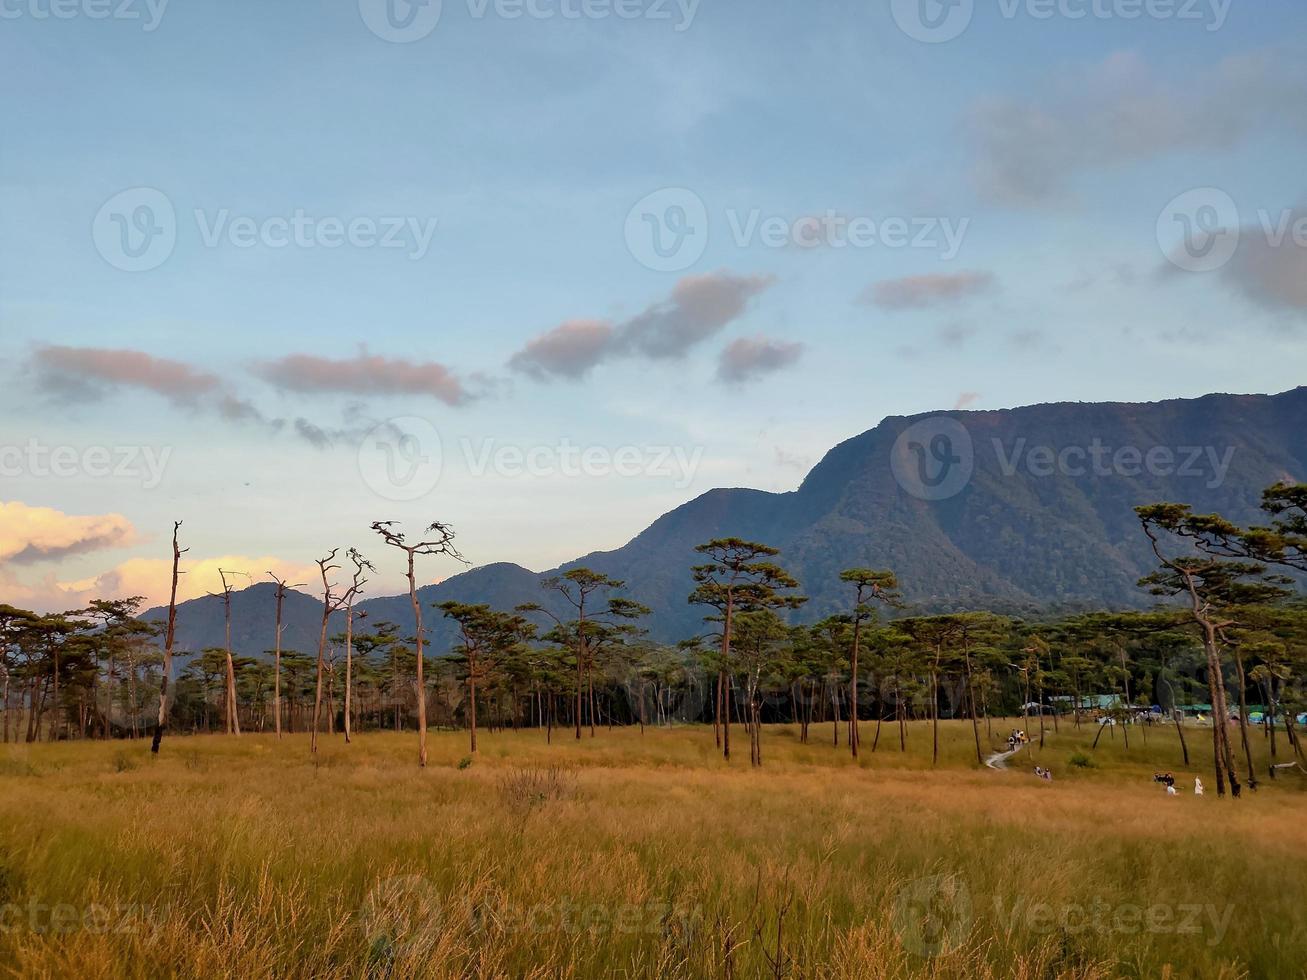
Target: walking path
998 760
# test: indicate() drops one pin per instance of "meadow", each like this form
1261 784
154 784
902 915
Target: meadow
642 854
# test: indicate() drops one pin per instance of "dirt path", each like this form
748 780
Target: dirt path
998 760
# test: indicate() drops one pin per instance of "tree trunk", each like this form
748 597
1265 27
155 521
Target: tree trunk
934 714
167 647
726 675
276 675
349 667
421 684
1243 719
317 686
971 694
853 680
472 701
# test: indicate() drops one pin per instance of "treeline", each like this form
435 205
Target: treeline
1234 635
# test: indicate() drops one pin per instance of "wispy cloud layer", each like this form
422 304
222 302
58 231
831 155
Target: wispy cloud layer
1270 265
924 292
35 534
699 308
73 374
85 373
753 357
570 350
1118 112
365 374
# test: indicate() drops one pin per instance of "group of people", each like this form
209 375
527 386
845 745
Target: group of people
1044 774
1168 780
1017 739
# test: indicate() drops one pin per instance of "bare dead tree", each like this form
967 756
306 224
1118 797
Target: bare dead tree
440 542
276 697
168 641
361 565
331 603
232 720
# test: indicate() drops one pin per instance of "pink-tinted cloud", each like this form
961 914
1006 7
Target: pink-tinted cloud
365 374
965 399
35 534
80 373
699 308
1120 112
1270 265
924 292
570 350
752 357
150 578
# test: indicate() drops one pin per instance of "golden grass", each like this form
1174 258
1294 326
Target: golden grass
640 855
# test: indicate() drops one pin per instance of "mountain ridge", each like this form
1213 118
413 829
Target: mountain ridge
1013 538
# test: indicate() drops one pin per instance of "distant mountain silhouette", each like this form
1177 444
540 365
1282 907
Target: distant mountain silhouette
1022 510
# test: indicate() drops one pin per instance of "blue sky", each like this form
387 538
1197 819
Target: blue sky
1050 145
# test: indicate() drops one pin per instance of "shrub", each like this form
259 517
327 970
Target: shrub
1082 761
465 762
525 789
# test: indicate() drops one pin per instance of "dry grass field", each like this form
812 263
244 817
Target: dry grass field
641 855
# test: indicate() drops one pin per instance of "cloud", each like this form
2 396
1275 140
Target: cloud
235 409
955 334
1029 338
1116 113
151 578
83 373
923 292
570 350
1119 275
364 374
752 357
966 398
1270 265
792 461
35 534
699 308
